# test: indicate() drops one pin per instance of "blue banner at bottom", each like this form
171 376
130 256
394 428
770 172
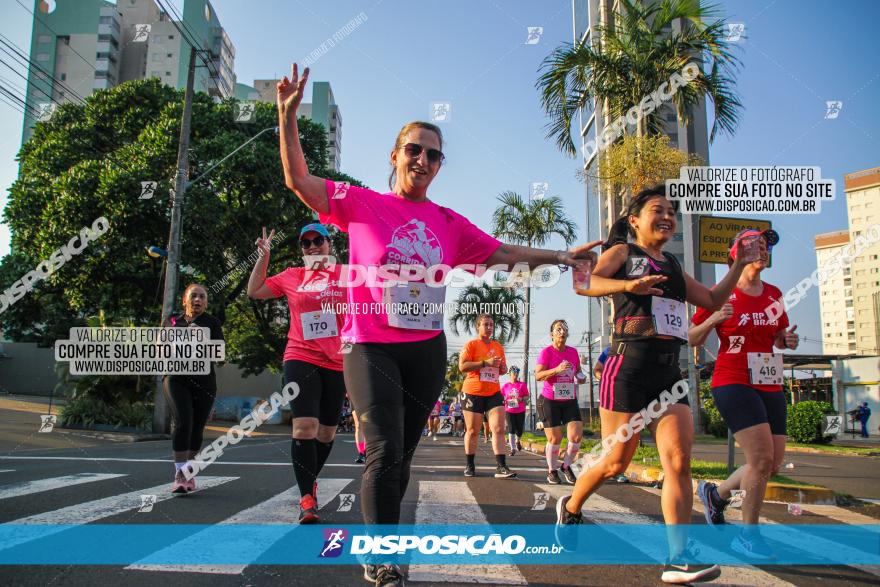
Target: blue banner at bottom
604 544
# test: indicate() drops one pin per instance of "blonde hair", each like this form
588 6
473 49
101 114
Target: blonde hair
401 136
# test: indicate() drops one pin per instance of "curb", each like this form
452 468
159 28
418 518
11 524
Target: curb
806 494
113 436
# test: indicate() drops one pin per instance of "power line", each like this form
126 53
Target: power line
43 22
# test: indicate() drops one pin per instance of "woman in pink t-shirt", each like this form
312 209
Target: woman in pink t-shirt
516 396
396 368
312 357
558 366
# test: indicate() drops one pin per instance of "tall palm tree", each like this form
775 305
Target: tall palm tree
508 325
629 60
532 224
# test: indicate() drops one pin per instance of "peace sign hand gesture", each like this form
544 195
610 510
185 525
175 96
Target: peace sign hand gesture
264 245
289 92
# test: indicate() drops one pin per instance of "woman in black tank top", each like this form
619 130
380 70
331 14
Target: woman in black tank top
649 291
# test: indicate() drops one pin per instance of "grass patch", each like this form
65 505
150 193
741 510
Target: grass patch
647 455
842 450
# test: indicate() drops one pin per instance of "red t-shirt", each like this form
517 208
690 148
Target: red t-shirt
305 301
749 330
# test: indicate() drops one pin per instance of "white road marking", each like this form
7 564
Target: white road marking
28 487
441 502
279 513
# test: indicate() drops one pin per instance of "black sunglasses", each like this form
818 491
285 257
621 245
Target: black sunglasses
317 241
413 150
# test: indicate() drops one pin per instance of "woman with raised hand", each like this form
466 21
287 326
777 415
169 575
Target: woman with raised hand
312 356
747 388
395 370
190 397
648 289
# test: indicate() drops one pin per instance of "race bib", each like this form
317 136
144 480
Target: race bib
670 317
415 306
512 402
318 325
765 368
563 390
489 374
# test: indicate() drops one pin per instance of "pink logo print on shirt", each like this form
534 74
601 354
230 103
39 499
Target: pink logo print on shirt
416 244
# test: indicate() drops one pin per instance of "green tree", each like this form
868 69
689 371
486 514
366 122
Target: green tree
474 297
532 224
454 377
627 61
89 161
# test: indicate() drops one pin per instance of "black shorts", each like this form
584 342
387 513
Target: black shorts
555 413
743 406
321 392
481 404
630 383
516 423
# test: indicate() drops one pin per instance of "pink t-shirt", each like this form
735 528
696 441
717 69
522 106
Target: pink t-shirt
550 358
515 395
386 229
306 291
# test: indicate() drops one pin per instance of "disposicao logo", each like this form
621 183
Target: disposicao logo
333 543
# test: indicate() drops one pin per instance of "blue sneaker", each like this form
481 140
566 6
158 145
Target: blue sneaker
713 505
752 545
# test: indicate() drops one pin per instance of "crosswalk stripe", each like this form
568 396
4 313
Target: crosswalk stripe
444 501
817 544
90 511
39 485
278 512
599 509
842 515
7 470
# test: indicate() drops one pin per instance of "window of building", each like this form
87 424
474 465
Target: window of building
42 57
169 55
170 36
63 77
849 303
105 19
168 73
157 57
155 73
44 39
852 346
64 40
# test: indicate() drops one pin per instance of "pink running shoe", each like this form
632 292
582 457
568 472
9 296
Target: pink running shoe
180 483
191 485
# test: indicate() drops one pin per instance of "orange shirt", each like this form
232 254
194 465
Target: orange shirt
483 381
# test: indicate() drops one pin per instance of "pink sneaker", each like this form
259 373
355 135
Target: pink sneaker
180 484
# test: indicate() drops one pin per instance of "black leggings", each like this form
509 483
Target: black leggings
190 405
393 387
516 422
321 391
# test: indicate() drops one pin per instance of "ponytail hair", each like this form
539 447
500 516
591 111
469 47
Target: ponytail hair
621 229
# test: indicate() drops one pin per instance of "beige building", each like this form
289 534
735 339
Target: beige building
835 297
863 207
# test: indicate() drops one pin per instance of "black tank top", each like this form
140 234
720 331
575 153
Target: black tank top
632 313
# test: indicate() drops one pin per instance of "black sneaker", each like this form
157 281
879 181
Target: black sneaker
518 445
469 471
553 478
362 458
713 505
510 453
569 475
566 525
388 575
752 545
504 472
677 571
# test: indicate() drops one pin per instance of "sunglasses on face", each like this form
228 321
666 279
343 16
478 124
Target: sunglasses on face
317 241
413 150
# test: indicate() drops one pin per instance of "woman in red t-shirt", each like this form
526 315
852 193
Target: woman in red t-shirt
312 356
747 387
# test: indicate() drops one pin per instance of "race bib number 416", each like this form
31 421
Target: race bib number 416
765 368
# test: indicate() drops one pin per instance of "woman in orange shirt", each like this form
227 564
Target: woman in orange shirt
483 361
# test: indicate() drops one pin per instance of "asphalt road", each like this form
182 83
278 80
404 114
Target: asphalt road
258 470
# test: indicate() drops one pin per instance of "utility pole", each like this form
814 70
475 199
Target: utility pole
160 409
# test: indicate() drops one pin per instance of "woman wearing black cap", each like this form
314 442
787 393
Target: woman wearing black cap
747 387
312 357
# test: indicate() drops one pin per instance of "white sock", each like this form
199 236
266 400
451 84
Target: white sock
551 451
179 466
570 453
511 438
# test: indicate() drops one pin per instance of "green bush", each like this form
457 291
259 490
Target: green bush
806 421
88 411
713 423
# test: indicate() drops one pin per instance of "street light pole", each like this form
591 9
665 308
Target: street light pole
160 408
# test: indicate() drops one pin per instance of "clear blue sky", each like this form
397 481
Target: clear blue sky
797 55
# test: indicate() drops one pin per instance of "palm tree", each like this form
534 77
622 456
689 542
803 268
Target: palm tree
454 377
474 299
632 58
531 224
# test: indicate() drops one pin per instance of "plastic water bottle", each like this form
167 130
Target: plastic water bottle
795 509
